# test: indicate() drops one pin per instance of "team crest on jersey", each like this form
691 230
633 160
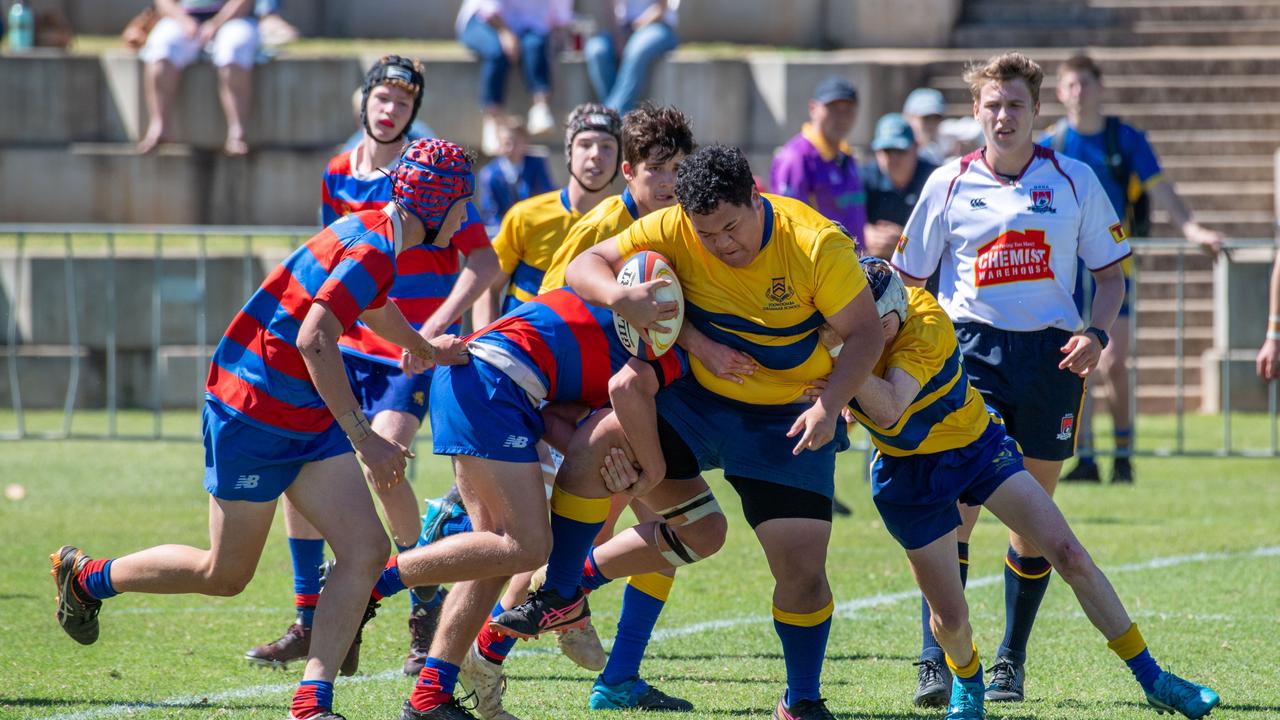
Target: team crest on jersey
1042 200
1067 426
1013 257
779 294
1117 233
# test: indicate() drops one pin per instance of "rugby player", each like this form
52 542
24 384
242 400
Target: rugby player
280 418
938 443
1006 224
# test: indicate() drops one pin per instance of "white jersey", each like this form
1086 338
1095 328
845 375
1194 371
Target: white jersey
1008 250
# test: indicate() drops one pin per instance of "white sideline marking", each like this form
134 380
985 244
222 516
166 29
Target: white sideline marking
849 607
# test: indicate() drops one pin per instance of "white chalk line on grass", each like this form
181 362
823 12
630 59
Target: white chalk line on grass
846 608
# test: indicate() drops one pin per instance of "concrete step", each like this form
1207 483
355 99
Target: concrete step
1163 399
1244 224
1156 341
1153 34
1044 13
1255 60
1162 371
1211 168
1148 89
1161 312
1163 285
1253 143
1239 196
1152 259
1187 10
1152 117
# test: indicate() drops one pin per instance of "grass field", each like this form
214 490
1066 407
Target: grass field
1193 548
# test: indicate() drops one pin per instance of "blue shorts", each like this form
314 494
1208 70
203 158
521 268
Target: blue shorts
244 461
1018 376
379 386
746 440
1079 296
916 495
477 410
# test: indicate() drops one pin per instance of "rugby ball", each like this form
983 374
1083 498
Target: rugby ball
640 268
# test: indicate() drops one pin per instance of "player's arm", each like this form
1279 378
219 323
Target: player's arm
318 343
1167 197
476 278
1269 355
631 392
883 400
388 323
719 359
561 420
1083 350
593 275
857 325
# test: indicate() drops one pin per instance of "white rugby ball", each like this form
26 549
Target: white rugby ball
640 268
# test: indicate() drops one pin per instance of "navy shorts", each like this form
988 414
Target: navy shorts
478 410
244 461
746 440
916 495
1018 376
379 386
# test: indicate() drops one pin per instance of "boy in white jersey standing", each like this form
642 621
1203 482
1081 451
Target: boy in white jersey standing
1006 224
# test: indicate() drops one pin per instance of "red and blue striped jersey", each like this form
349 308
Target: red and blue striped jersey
342 192
571 346
257 371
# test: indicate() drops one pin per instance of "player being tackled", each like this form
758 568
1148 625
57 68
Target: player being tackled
937 444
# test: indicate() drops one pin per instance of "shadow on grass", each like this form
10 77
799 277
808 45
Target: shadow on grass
830 657
17 596
666 677
59 703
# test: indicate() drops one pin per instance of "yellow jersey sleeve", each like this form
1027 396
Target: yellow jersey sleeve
923 351
838 276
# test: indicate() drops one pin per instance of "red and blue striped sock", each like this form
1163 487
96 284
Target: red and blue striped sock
389 582
435 685
592 578
308 556
493 646
311 698
94 579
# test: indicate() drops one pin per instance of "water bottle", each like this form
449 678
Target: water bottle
22 31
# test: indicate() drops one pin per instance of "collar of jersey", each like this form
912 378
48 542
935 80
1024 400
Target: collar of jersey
820 143
1036 152
564 199
768 222
397 230
630 203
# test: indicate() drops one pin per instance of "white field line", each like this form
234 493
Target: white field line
846 608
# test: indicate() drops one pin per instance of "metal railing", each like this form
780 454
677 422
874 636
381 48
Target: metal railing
256 249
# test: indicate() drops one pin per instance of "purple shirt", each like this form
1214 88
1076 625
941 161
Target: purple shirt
826 178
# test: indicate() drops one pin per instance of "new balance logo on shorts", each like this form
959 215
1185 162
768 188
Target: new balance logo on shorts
247 482
516 441
1068 424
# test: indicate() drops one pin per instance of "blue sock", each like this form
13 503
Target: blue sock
428 597
592 578
1145 669
929 648
1025 581
804 645
311 697
492 645
642 602
389 582
575 521
308 556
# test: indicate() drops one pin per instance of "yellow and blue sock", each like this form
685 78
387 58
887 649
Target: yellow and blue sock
307 556
1124 441
1025 581
592 578
642 602
493 646
804 645
311 698
1132 649
94 579
969 673
929 648
389 582
574 523
435 684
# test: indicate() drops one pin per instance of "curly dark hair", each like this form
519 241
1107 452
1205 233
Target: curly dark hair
713 175
657 133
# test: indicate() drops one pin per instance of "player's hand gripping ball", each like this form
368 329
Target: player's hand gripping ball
643 267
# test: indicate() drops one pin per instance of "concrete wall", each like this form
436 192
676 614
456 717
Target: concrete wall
796 23
1239 326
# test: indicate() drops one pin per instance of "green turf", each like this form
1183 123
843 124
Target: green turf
1215 619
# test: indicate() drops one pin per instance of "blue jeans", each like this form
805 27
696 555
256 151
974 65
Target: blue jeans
619 84
480 37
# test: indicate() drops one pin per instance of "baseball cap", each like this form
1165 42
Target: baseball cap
835 88
924 101
893 133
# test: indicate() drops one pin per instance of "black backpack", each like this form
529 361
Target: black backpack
1137 201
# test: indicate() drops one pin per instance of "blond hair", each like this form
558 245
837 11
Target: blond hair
1003 68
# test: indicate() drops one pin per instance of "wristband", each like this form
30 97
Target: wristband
1273 334
1273 322
355 425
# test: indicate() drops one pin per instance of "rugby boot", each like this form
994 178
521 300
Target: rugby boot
634 694
487 682
1006 681
1122 471
295 644
543 611
966 702
448 711
802 710
933 684
326 715
582 646
423 621
1171 694
1083 471
77 615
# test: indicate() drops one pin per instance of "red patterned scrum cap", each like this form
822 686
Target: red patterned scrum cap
433 174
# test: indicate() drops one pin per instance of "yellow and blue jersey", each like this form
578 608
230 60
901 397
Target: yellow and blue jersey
609 218
772 308
947 413
527 240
